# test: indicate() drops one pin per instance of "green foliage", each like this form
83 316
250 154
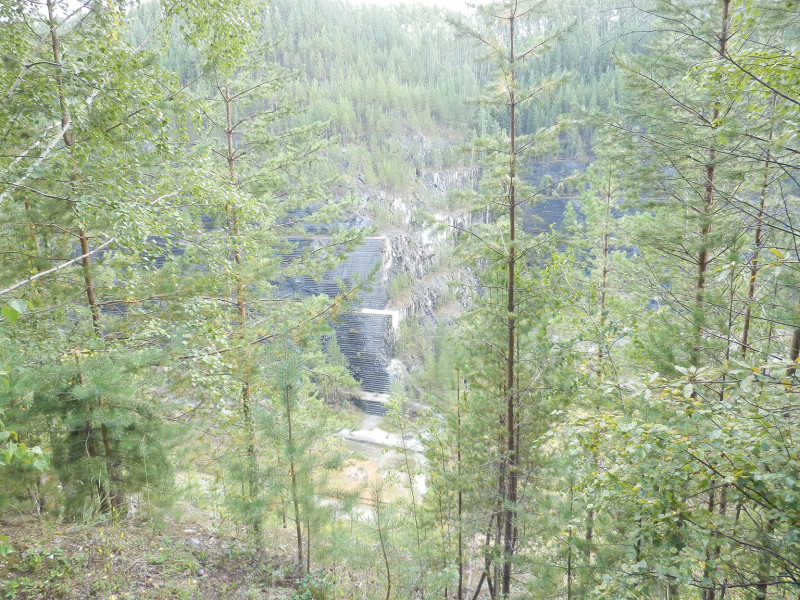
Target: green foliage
664 467
411 342
42 573
14 309
16 455
644 483
312 587
89 138
679 460
640 391
258 183
221 31
399 287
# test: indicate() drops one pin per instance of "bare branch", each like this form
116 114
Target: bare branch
32 278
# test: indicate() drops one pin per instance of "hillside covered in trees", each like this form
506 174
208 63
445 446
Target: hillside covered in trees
596 400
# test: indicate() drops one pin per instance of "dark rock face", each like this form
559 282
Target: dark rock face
404 254
358 266
367 335
366 339
549 211
362 339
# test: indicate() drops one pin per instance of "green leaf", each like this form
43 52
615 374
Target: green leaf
21 306
10 313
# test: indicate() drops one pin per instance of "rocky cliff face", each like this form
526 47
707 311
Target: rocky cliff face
449 179
410 248
415 249
415 279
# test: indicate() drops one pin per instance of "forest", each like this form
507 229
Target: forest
323 300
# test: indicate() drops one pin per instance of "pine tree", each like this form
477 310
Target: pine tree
84 199
270 220
671 496
506 324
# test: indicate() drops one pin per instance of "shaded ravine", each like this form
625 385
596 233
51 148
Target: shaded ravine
367 334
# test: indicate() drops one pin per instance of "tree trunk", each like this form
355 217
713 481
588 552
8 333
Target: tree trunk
377 496
794 351
569 545
108 497
510 499
241 308
708 208
487 563
710 593
604 280
762 586
293 476
460 505
751 292
308 540
104 494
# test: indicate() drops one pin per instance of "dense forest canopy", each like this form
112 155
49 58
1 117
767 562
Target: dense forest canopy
213 211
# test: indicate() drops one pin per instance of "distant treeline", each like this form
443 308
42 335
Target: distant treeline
394 84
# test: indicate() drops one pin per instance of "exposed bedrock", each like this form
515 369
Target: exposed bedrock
409 266
447 179
411 248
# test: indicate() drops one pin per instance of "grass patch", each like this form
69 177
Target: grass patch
127 561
